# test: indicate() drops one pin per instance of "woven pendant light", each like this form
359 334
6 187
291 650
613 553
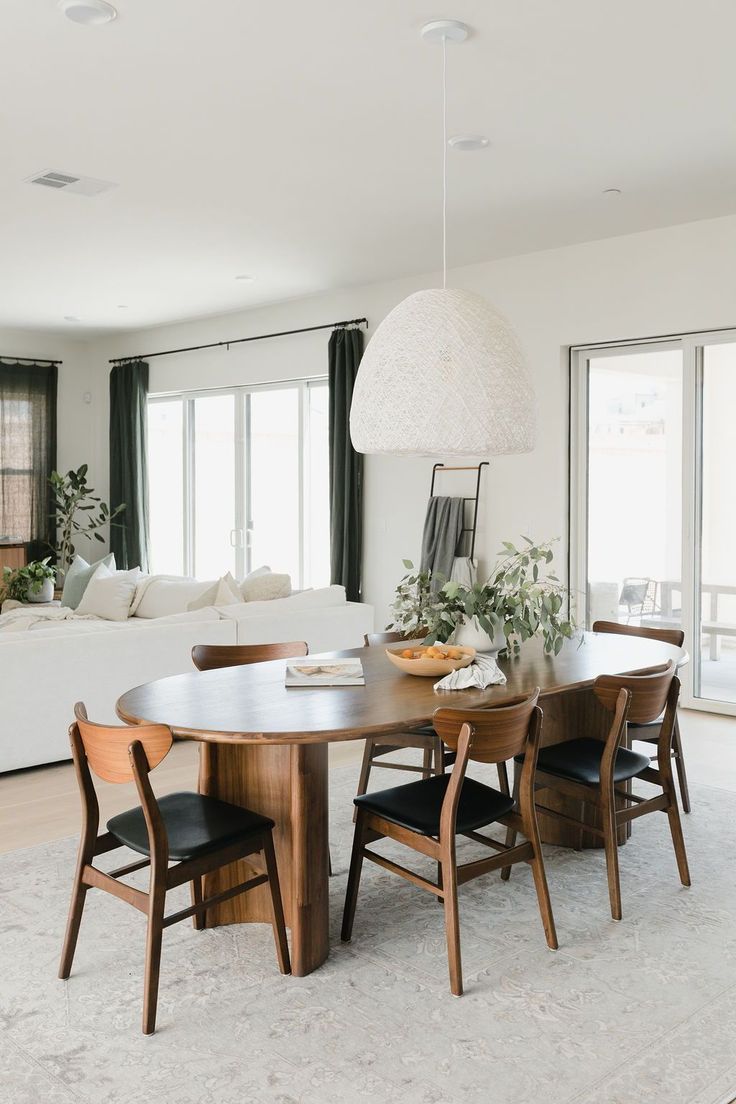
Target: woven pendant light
444 373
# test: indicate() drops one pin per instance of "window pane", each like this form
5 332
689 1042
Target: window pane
717 673
274 481
317 492
214 485
635 487
166 486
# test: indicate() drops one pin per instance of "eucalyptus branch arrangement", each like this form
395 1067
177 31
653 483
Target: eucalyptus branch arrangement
520 596
72 496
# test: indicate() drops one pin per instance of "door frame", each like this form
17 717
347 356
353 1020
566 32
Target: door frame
692 347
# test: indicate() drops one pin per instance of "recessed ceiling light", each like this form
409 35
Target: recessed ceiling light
90 13
70 318
612 191
122 306
468 143
244 276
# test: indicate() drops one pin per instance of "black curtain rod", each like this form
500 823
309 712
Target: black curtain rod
241 340
29 360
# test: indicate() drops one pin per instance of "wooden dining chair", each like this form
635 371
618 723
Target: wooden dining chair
435 757
595 771
427 816
197 834
649 734
210 657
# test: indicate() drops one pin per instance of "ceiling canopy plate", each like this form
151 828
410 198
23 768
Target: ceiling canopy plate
445 30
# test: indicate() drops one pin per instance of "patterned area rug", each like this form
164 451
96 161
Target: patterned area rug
640 1012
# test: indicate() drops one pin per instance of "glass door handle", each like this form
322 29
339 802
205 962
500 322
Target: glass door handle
236 538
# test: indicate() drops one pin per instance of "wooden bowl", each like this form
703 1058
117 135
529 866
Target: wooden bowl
429 668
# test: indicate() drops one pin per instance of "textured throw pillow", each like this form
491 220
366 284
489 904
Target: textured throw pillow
78 574
109 594
224 592
264 588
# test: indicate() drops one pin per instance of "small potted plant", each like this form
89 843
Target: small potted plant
32 583
520 599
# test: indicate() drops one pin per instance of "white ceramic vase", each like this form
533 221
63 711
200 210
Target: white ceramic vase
45 594
471 635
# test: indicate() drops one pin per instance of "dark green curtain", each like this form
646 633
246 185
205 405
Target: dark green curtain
129 464
27 454
346 465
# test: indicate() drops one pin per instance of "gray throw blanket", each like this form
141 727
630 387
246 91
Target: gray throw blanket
442 529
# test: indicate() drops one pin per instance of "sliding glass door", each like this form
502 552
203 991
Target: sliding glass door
653 532
238 478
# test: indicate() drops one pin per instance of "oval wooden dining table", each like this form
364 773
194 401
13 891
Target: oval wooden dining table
264 746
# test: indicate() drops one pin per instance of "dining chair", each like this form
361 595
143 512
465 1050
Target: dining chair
197 834
210 657
650 733
428 815
594 771
435 757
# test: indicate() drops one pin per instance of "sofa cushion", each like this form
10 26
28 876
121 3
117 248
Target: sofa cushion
163 595
323 598
109 594
265 587
223 592
78 574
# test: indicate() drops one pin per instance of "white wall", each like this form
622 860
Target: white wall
675 279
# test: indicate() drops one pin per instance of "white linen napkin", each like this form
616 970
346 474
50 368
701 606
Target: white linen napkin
482 672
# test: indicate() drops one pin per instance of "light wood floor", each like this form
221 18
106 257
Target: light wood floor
42 804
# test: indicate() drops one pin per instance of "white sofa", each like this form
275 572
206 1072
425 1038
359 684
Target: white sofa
45 670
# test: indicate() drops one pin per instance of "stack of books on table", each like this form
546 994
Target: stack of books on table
317 672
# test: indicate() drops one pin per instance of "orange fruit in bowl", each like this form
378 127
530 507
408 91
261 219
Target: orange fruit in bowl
407 653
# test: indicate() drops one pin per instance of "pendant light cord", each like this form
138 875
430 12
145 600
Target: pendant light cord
444 162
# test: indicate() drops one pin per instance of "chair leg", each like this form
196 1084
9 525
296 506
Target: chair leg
157 898
198 920
452 925
438 749
680 765
503 777
427 757
673 815
610 843
510 832
277 908
351 893
76 908
531 831
365 772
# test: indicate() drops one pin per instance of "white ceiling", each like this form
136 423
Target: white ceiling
299 141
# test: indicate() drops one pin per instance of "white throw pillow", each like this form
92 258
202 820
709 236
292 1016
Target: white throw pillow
264 588
224 592
163 595
109 594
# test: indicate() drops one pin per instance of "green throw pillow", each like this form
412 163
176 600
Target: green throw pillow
78 575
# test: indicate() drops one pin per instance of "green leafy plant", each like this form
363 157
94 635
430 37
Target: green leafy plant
17 582
73 496
520 596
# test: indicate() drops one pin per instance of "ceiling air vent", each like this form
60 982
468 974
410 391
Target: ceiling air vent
80 185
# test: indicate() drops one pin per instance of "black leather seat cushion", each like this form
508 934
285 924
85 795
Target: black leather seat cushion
580 761
194 824
418 805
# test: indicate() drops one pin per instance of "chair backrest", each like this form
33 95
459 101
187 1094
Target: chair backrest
106 746
499 733
676 637
378 639
210 657
648 692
